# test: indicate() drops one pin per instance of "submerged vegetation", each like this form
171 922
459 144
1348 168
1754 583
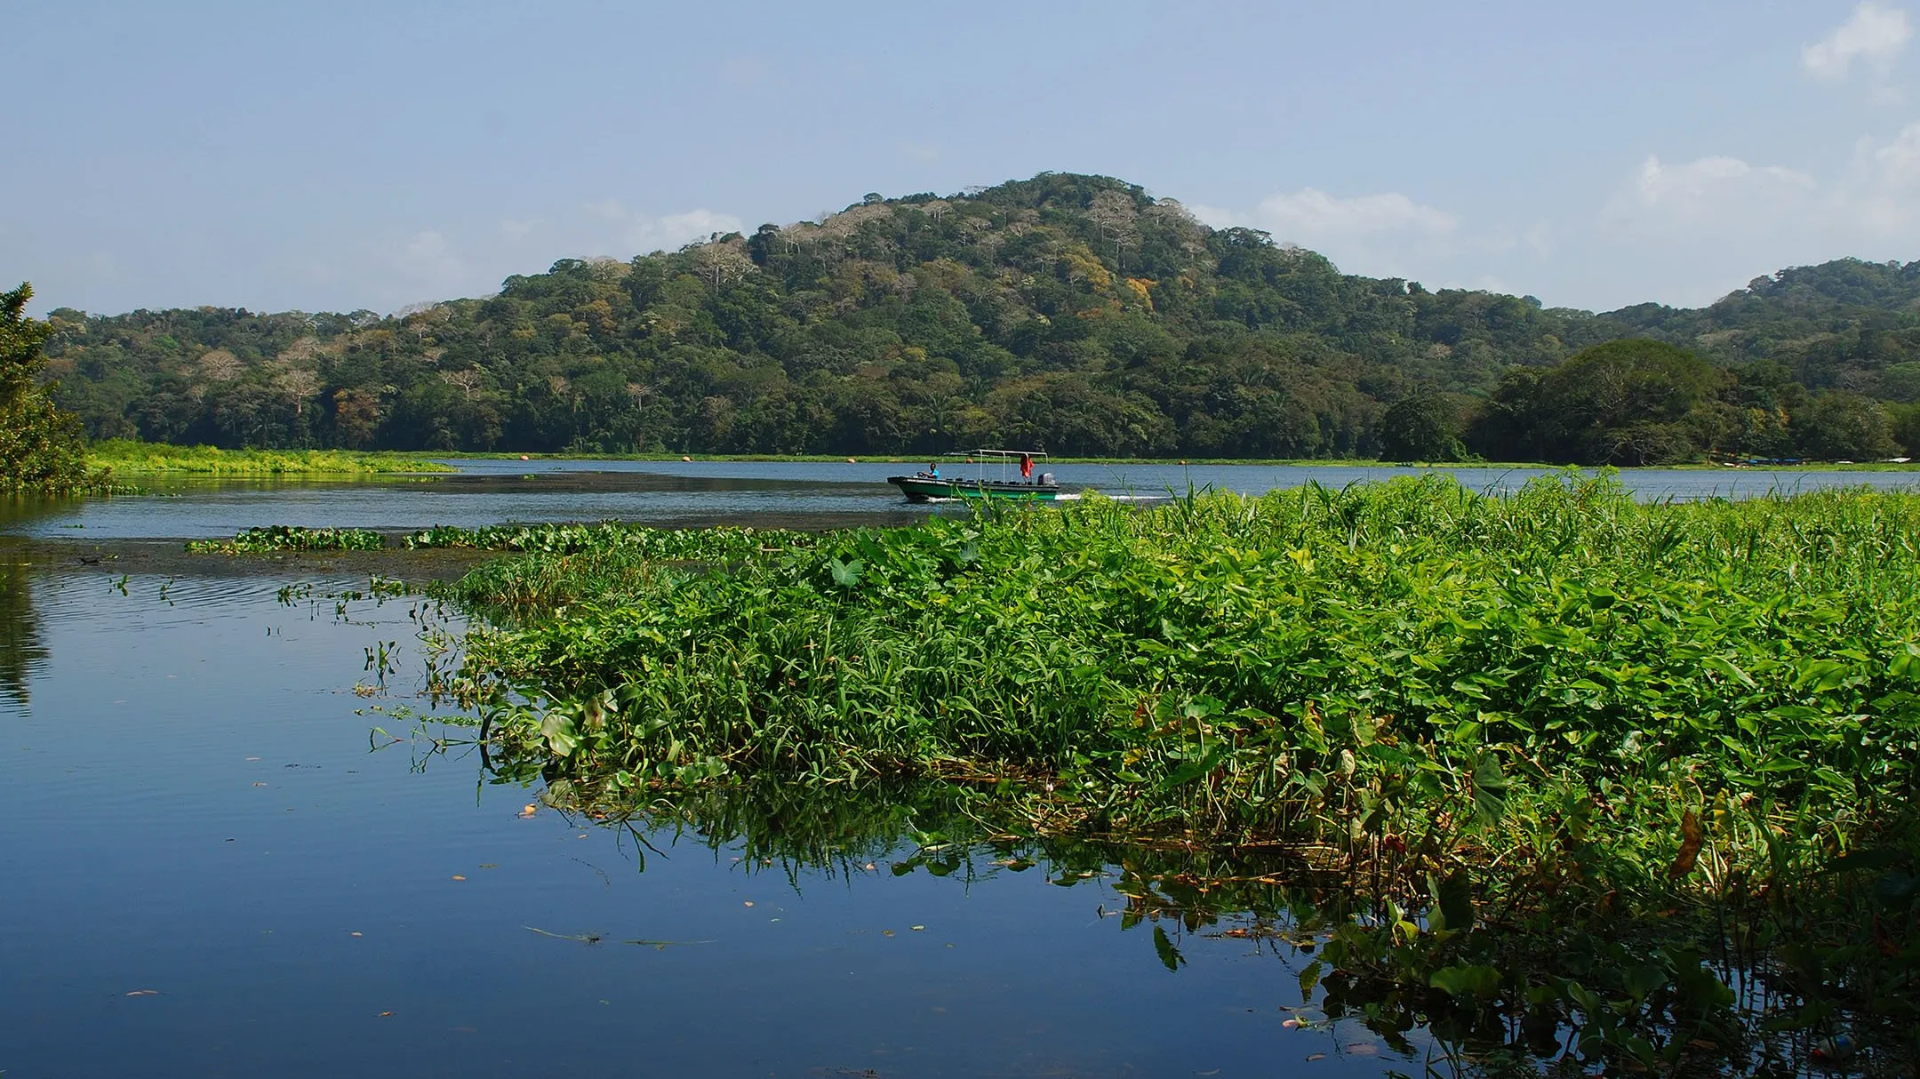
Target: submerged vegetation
1564 744
126 456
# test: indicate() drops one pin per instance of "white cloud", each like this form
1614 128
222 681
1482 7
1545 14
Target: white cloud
1311 216
639 234
1898 162
427 259
1698 230
1381 235
518 230
1705 194
1879 196
1873 34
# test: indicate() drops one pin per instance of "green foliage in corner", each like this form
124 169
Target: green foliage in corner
41 450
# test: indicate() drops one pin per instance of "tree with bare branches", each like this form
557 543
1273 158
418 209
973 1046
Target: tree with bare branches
721 262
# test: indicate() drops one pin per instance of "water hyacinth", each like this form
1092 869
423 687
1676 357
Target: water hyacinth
1488 708
272 538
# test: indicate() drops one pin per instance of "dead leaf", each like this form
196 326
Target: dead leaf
1691 837
1362 1049
457 876
529 810
385 1015
144 993
355 933
749 903
1311 1057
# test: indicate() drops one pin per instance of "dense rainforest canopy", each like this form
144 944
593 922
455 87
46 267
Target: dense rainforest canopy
1071 313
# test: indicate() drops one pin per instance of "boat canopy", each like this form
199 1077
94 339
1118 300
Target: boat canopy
1012 454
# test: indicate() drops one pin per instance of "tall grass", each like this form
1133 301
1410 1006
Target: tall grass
126 457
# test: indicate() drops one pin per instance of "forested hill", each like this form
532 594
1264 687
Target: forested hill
1072 313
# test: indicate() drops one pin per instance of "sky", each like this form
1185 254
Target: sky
346 155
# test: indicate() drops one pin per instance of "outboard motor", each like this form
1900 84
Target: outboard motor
1046 479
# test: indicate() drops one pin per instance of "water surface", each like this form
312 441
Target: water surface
215 862
793 494
212 867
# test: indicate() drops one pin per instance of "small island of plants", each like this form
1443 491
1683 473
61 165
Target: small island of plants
1568 747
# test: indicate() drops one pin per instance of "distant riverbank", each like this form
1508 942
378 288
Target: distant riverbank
143 458
1062 459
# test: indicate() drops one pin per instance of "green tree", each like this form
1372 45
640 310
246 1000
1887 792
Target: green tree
1421 428
1842 426
40 446
1906 427
1633 402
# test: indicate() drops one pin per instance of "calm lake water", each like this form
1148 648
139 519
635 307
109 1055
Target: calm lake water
213 865
713 492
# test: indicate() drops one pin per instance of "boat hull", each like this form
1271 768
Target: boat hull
922 489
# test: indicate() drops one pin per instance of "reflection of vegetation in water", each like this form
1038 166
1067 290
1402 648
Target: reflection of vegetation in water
20 648
1625 990
1554 724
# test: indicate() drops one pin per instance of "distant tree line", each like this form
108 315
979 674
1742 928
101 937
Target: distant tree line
1074 314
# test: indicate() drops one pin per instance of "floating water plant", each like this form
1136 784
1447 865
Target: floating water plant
291 538
1539 714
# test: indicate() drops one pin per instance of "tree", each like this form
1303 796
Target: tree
930 322
1114 214
1421 428
1842 426
721 261
41 449
1633 402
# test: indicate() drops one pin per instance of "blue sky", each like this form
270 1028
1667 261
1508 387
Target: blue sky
346 155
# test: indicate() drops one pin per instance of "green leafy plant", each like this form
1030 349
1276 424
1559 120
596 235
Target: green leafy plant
41 449
273 538
1557 723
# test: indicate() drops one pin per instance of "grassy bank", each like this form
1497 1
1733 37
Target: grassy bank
1513 718
143 458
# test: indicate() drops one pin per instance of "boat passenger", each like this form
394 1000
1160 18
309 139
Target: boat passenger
933 469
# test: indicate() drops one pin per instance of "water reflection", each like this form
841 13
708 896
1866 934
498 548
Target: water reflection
22 651
1370 978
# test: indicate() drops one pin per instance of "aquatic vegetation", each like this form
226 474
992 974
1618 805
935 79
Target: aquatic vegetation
124 456
1512 720
584 561
634 540
273 538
